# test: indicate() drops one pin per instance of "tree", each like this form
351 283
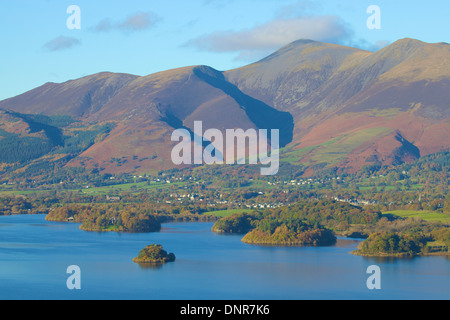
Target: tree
447 203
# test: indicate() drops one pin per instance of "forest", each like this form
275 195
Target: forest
392 244
311 223
136 218
406 237
318 223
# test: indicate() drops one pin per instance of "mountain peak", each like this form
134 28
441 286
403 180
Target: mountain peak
399 51
408 43
300 42
410 40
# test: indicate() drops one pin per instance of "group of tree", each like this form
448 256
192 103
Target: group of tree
120 217
154 254
304 223
289 232
318 222
392 244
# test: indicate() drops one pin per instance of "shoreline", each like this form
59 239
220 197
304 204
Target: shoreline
400 255
354 252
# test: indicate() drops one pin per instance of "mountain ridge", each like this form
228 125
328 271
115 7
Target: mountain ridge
334 105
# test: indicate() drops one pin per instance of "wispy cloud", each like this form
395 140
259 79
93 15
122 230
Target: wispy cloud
136 22
61 43
265 38
302 19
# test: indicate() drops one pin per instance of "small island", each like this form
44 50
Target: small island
277 230
384 244
239 223
289 233
154 254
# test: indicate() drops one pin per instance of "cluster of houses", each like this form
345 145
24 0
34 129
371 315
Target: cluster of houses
219 201
356 202
301 181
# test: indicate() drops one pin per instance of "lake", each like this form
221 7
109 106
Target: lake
35 254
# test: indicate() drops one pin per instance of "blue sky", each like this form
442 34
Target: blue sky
143 37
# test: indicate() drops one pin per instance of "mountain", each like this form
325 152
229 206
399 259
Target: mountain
353 108
24 138
146 110
335 107
78 98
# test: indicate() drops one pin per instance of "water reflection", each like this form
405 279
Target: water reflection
345 242
150 266
45 225
390 260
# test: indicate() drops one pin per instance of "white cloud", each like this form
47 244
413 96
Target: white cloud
265 38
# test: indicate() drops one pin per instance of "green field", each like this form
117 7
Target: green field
131 187
340 147
424 215
387 188
18 192
335 149
226 213
127 187
293 156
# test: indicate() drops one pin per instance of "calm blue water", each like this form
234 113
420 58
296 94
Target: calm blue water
35 254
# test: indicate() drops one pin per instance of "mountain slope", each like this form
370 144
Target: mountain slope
78 98
146 110
350 106
335 106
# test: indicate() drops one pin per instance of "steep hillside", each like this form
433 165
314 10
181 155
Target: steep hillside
335 107
78 98
146 110
351 107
